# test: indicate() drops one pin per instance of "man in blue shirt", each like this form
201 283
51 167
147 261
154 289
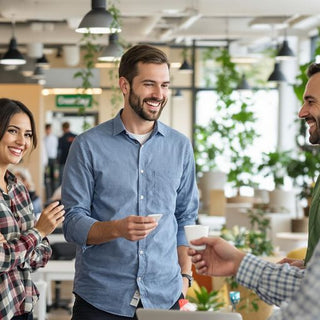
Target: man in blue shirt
116 175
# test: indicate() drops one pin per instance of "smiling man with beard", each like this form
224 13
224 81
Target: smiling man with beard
116 175
310 111
295 290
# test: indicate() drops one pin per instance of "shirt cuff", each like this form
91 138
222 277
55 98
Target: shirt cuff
250 271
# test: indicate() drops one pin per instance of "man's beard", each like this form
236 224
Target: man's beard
137 105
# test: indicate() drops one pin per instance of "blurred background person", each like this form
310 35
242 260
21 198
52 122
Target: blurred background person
64 144
23 174
51 148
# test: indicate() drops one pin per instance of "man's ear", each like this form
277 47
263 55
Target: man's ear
124 85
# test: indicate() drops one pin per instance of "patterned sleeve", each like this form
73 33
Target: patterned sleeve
273 283
13 252
39 256
304 303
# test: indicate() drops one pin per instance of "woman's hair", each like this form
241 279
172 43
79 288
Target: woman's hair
140 53
8 108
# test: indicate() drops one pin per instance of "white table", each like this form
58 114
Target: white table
289 241
55 270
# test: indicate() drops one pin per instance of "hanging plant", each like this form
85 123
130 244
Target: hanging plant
91 49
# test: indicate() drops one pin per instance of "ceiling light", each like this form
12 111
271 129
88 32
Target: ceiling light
98 20
285 52
178 94
43 62
277 75
243 84
185 66
13 55
113 51
55 91
38 73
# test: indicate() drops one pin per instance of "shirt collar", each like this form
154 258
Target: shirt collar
118 126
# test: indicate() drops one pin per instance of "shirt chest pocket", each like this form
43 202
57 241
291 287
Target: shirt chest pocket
165 185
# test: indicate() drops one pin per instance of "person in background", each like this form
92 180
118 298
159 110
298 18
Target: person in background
64 144
287 283
116 175
24 175
23 243
51 148
310 111
295 290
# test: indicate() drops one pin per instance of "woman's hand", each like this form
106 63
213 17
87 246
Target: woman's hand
50 218
2 238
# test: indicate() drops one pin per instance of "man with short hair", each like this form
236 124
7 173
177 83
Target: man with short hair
296 290
116 175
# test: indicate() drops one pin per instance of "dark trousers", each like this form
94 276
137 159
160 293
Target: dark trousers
26 316
82 310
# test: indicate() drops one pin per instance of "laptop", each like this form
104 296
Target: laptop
155 314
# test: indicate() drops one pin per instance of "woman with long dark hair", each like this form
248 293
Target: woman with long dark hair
23 244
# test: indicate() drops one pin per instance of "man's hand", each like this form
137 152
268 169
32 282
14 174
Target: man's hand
135 227
293 262
219 258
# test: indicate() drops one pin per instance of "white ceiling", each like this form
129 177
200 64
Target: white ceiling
52 22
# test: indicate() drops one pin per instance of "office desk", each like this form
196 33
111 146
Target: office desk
289 241
56 270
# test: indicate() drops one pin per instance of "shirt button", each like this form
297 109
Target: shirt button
141 171
141 197
139 279
141 252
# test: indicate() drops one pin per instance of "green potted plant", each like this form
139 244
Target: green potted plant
275 164
229 135
206 301
254 241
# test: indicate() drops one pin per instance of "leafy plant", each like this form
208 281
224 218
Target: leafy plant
230 133
90 49
206 300
275 164
255 241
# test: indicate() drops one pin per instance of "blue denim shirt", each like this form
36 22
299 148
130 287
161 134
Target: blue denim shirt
108 176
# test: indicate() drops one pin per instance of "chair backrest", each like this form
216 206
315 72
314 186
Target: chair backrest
63 251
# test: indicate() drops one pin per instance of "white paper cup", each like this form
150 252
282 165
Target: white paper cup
195 232
156 216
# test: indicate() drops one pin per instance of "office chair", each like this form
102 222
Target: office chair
62 251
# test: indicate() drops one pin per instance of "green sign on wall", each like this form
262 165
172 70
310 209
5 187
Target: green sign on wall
73 100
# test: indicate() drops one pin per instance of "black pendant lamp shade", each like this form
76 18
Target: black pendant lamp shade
113 51
178 94
98 20
13 55
42 62
277 75
185 66
243 84
285 52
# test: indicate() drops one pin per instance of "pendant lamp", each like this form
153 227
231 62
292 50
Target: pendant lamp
98 20
285 52
13 55
277 75
113 51
243 84
43 62
185 66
